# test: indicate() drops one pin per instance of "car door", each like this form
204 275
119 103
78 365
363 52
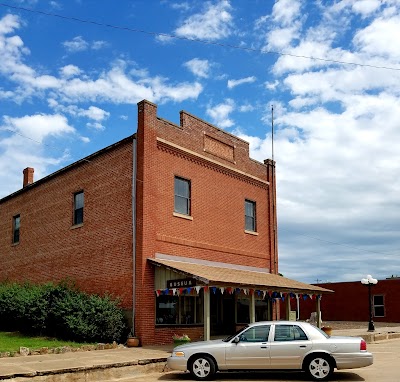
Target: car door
288 346
251 351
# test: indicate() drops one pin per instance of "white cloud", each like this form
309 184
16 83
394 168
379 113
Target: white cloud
93 112
198 67
95 125
70 71
271 85
234 83
214 23
220 113
366 7
38 126
77 44
246 108
96 45
285 12
377 38
117 85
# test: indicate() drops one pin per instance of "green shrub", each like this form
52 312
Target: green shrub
60 311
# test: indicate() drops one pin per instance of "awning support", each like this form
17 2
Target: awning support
207 315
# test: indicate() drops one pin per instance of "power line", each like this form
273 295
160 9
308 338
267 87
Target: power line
124 175
200 41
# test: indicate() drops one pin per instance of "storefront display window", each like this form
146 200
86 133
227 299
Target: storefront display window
179 310
243 310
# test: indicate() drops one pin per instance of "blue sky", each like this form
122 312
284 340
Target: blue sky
70 88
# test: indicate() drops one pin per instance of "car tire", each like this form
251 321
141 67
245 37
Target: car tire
319 367
202 368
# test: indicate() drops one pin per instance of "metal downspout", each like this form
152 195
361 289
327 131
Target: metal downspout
134 172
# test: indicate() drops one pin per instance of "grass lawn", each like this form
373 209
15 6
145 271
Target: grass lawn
11 341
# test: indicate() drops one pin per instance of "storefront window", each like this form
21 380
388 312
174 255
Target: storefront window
261 310
243 310
179 310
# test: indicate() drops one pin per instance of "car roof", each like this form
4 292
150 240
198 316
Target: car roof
278 323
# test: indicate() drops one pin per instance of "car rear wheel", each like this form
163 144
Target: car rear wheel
319 368
202 368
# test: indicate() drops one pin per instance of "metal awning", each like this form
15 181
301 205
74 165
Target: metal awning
225 275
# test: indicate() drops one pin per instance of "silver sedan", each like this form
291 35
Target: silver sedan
273 345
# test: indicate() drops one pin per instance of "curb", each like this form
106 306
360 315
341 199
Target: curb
90 372
375 337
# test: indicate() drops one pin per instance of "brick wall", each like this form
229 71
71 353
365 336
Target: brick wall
97 255
218 166
350 302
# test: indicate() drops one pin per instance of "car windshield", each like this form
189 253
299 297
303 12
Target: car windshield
227 339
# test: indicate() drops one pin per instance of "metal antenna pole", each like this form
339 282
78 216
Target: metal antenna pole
272 124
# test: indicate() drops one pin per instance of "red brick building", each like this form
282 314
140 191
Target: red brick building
350 302
177 221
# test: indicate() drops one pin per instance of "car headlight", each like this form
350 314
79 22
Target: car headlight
179 354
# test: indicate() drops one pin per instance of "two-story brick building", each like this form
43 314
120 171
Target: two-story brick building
176 221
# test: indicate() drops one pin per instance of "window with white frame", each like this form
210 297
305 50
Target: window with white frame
182 196
250 215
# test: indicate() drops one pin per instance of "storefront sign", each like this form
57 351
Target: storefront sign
182 283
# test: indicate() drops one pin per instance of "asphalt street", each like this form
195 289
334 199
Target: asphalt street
385 369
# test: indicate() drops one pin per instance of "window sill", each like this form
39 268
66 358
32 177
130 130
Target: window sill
187 217
251 232
77 226
15 244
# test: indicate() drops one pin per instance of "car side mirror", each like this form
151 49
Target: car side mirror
236 340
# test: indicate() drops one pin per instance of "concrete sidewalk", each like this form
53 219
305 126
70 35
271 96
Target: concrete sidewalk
116 363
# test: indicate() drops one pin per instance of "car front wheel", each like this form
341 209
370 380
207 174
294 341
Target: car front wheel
202 368
319 368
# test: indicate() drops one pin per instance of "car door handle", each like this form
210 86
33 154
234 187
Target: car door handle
264 347
303 346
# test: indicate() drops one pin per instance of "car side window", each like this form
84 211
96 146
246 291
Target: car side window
289 333
256 334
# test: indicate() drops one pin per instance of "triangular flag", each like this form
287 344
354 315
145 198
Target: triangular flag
197 289
222 290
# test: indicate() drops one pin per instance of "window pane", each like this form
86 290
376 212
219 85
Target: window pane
243 310
79 200
181 205
250 215
182 196
78 207
378 300
16 227
78 218
379 311
256 334
167 310
182 187
249 208
284 333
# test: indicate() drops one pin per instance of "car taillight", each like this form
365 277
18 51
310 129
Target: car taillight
363 345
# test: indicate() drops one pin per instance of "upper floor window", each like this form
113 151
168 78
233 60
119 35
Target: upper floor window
78 207
250 215
182 196
16 226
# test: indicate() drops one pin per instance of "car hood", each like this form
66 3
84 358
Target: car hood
200 344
